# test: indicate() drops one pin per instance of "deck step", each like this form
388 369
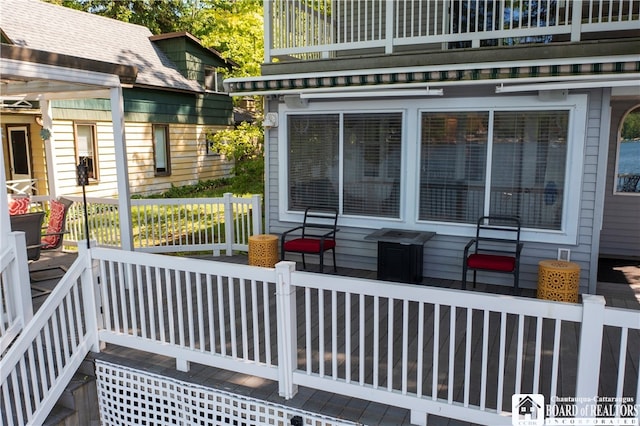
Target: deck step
78 404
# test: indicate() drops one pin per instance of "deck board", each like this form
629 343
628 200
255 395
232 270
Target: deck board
379 414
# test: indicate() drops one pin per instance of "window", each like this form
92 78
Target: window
437 165
86 148
453 162
313 161
628 159
501 163
488 16
371 169
370 164
213 79
161 157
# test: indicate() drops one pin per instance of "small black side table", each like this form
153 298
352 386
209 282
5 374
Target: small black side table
400 253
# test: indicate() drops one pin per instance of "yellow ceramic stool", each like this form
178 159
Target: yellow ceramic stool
263 250
558 280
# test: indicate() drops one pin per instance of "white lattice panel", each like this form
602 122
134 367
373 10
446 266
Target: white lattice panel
133 397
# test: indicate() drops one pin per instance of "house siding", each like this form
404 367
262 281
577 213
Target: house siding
189 57
443 253
190 161
620 236
36 144
153 106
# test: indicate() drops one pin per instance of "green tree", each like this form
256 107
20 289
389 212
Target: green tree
243 145
232 27
235 29
160 16
631 126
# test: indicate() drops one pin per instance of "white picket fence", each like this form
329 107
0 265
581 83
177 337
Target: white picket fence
311 30
458 354
221 224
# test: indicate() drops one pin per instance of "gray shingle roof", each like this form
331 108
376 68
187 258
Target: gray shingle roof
52 28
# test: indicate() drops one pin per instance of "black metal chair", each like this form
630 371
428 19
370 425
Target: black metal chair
496 248
316 235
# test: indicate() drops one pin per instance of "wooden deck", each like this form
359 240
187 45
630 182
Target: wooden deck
329 404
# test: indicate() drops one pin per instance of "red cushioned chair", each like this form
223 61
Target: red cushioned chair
51 239
316 235
496 248
53 235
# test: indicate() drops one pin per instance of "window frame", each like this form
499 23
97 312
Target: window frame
217 87
167 146
617 163
577 105
94 134
356 218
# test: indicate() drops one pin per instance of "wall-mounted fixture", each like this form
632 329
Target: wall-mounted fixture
564 254
295 101
270 120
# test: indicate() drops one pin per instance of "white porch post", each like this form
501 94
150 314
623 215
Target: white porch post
589 351
122 168
5 225
19 280
228 223
286 315
256 202
49 149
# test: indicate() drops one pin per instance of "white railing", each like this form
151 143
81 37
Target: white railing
310 30
222 224
40 363
22 186
245 319
15 301
205 312
458 354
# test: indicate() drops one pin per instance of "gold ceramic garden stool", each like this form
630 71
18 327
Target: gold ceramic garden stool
558 280
263 250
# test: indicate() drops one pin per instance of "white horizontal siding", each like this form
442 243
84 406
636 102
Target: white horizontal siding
190 162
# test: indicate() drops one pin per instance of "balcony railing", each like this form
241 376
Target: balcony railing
304 29
22 186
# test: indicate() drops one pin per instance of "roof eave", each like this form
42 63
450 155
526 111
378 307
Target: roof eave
126 73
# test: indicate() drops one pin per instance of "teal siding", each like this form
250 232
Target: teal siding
189 57
153 106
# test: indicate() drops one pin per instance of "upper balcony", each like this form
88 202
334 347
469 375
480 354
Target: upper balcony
303 30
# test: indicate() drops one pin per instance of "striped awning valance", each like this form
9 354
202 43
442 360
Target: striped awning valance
432 75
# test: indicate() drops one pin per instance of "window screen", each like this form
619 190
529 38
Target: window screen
372 161
313 160
528 166
86 148
161 150
452 166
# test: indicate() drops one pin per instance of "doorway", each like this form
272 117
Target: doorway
20 159
619 255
